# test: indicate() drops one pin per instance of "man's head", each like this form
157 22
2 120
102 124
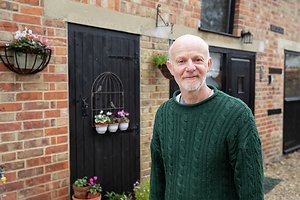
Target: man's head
189 62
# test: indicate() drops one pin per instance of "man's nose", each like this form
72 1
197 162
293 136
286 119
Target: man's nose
190 66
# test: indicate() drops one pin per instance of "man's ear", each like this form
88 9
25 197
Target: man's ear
170 67
209 64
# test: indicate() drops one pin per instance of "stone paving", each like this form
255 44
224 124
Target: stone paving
288 171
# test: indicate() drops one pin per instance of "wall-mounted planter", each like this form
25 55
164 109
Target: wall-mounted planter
25 61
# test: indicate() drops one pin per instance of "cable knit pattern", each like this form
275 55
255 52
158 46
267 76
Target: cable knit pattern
206 151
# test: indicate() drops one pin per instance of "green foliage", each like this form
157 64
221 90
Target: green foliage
142 190
94 189
116 196
81 182
159 59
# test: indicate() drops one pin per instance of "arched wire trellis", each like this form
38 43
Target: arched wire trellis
107 94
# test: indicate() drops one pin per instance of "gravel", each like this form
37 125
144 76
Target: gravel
288 171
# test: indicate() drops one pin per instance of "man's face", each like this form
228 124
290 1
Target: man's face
189 63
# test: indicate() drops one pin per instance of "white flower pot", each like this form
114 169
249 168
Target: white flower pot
123 126
33 60
113 127
101 129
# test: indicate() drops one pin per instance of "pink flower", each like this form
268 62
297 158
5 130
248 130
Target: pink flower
95 178
91 181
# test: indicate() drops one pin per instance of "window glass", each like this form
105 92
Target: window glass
217 15
292 75
214 75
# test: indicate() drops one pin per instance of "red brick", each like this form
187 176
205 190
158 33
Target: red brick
32 10
9 196
28 193
36 105
41 196
24 96
30 172
30 134
11 186
62 139
29 115
62 104
56 167
6 107
29 153
15 165
31 2
56 131
9 156
38 180
55 78
36 124
8 26
54 23
36 143
52 113
56 149
63 192
8 137
9 87
10 127
4 147
55 95
38 161
27 19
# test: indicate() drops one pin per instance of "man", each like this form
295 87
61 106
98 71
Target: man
205 144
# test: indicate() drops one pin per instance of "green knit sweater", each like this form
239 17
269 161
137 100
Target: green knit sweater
206 151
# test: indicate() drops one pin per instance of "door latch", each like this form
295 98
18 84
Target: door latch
84 106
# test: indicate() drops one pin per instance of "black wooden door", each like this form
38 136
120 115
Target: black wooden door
113 157
291 122
240 78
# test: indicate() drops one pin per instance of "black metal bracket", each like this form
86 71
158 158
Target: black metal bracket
158 16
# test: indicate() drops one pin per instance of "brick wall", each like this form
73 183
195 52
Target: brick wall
34 135
34 111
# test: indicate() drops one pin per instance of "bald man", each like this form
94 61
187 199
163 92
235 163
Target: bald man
205 144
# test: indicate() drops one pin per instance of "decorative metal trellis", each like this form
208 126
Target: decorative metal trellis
107 94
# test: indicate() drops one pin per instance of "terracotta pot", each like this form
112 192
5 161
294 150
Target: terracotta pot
165 71
91 197
80 192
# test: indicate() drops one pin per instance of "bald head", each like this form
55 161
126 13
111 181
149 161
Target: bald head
186 41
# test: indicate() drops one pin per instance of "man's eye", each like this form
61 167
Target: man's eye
199 60
180 61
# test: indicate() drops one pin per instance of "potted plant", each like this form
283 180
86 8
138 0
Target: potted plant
113 122
84 189
160 61
123 120
27 52
101 122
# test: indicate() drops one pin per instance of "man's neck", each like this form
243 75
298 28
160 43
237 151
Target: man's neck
196 96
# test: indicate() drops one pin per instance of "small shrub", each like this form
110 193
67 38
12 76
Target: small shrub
142 190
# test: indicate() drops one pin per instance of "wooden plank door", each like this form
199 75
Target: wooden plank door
113 157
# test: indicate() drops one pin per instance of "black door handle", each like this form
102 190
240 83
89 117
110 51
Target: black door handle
84 107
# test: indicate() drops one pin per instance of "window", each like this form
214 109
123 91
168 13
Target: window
217 15
292 74
214 75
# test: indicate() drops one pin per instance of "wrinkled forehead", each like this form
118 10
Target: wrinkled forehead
186 44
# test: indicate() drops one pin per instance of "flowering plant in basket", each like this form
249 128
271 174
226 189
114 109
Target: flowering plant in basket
123 120
101 118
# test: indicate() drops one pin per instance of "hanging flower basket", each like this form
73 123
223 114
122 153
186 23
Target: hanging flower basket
113 127
101 128
123 126
26 54
165 71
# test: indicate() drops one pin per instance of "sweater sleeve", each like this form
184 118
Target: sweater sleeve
246 158
157 178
